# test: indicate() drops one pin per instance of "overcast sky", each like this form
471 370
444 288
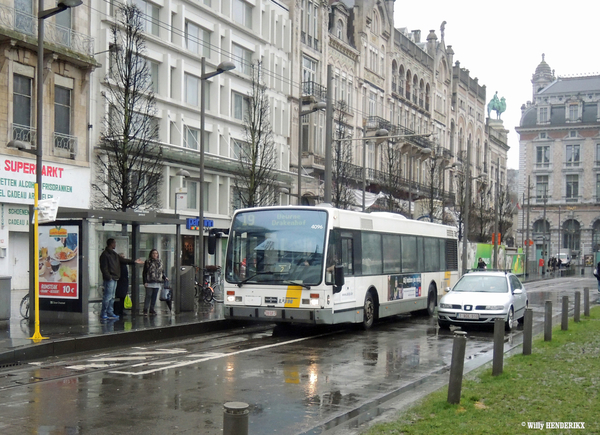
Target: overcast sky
501 43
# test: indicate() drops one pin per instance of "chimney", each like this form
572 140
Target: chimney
416 36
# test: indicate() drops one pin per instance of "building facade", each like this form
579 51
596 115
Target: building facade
558 165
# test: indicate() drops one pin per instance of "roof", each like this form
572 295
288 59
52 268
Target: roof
573 85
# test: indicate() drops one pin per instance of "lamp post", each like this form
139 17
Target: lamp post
313 108
180 173
33 266
221 68
466 208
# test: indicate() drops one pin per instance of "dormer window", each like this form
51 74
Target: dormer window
339 29
543 115
573 112
543 135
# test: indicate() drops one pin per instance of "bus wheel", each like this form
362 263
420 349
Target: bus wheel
431 300
369 315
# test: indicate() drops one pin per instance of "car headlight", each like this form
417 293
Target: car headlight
494 307
445 306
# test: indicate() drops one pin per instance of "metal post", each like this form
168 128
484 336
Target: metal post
410 176
577 306
364 174
300 141
456 366
548 321
201 182
328 135
498 358
559 240
586 301
527 331
466 208
177 285
564 321
235 418
527 226
496 218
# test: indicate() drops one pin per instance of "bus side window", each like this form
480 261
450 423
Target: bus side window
348 256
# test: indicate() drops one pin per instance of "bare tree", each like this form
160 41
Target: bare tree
342 196
481 218
255 183
391 158
434 194
129 162
506 208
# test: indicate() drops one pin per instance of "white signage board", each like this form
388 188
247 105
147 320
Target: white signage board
70 183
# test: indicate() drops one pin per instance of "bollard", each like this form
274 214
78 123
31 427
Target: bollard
577 305
456 366
527 331
564 321
586 301
548 322
498 358
235 418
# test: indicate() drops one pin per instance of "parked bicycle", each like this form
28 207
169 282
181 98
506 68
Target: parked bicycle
211 284
24 307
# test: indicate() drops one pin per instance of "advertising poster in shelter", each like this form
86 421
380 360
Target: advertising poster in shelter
59 261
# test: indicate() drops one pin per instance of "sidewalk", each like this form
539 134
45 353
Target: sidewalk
16 344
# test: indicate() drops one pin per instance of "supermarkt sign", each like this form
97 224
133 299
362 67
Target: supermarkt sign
69 183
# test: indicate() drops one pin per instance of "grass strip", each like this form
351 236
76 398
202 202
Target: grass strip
558 382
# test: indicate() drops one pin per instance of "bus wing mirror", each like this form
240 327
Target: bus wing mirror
212 244
338 278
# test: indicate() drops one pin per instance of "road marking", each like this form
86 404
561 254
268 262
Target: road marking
210 356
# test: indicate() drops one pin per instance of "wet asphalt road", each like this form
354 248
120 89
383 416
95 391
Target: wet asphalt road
306 381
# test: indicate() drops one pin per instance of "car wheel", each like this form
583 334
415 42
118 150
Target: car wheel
443 324
510 320
369 314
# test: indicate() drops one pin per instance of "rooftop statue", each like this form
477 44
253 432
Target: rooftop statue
499 105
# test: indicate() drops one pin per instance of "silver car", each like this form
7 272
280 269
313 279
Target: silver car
480 297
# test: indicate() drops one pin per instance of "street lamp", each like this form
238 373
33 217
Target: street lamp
424 151
221 68
33 263
312 108
180 173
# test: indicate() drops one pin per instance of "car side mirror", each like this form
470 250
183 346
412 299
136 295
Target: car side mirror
212 244
517 291
338 278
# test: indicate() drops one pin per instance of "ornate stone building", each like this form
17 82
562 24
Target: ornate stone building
559 165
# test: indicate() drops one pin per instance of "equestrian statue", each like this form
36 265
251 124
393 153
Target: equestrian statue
499 105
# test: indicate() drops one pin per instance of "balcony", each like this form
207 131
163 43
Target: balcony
314 89
25 26
24 133
65 146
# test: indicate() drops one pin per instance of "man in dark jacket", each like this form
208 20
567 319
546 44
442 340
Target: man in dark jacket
110 266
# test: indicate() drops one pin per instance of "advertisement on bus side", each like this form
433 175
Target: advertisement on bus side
404 286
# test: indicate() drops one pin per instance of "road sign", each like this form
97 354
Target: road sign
47 209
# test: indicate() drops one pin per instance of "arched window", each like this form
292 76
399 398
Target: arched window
394 78
427 97
375 25
401 82
538 228
571 235
596 236
415 89
339 29
408 82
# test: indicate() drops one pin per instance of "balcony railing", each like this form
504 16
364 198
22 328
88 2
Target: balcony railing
377 122
24 133
53 34
314 89
65 145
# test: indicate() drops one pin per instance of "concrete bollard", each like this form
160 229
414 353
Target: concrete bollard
586 301
456 366
527 331
548 321
235 418
564 321
498 359
577 306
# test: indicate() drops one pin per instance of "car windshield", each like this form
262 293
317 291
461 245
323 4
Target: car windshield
482 284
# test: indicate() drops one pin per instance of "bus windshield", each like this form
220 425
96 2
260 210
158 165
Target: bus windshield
278 247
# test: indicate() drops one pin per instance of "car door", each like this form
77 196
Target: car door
520 300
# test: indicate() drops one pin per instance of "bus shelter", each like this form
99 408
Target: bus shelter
70 279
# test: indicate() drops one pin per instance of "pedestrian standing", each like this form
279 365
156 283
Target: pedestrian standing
110 266
481 264
597 274
153 281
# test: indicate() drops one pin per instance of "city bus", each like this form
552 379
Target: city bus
322 265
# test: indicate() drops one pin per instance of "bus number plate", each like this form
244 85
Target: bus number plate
270 313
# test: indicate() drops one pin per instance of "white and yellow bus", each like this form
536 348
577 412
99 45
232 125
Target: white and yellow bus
322 265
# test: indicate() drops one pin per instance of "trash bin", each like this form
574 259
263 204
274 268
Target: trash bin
187 291
5 298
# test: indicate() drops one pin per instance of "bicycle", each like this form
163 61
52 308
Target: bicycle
211 282
24 307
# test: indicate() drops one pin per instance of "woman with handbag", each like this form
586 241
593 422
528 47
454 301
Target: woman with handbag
153 280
